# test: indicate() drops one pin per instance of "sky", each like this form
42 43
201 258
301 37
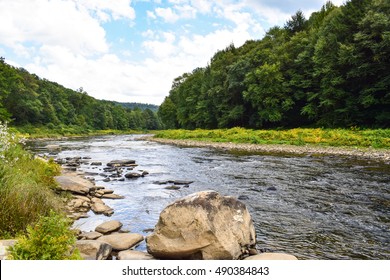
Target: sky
131 50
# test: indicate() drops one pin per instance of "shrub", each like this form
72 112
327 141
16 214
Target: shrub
26 186
49 239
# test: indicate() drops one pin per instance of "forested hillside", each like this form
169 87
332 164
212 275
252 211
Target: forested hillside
331 70
135 105
27 99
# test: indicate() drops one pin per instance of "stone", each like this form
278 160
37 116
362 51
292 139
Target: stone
172 187
272 256
132 175
93 249
4 246
182 182
97 200
96 163
134 255
204 225
107 191
74 184
101 208
122 241
53 147
123 162
109 226
77 216
112 196
92 235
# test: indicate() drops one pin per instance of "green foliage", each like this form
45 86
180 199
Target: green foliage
49 239
25 100
366 138
331 70
26 185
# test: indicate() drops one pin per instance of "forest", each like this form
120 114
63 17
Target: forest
26 99
330 70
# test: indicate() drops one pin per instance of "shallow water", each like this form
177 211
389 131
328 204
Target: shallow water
313 207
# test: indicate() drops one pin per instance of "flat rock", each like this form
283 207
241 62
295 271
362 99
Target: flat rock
134 255
92 235
122 162
172 188
112 196
122 241
182 182
93 249
109 226
100 208
53 147
272 256
74 184
133 175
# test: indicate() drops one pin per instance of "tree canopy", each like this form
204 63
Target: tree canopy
331 70
27 99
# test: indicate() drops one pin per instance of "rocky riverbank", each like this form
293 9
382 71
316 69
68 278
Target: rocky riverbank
361 153
203 225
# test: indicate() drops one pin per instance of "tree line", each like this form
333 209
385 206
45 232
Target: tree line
27 99
331 70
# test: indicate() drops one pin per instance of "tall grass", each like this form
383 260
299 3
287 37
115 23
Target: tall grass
26 186
51 131
362 138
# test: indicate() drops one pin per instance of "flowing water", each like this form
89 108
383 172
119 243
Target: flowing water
323 207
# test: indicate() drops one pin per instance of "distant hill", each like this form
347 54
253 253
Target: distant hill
26 99
142 106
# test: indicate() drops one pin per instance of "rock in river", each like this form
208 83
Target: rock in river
133 175
122 241
204 225
124 162
108 227
74 184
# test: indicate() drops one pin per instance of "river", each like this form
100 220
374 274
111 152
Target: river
314 207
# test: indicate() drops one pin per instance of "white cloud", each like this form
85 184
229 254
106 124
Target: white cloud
167 14
117 9
151 15
203 6
50 22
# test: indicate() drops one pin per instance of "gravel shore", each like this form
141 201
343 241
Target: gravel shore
362 153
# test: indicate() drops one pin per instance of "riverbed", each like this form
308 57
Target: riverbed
311 206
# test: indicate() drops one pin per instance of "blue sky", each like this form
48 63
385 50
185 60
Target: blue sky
131 50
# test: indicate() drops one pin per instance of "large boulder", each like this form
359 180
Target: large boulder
74 184
203 225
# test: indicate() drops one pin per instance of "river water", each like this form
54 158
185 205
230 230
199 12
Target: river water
323 207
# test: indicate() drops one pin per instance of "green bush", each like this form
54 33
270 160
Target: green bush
49 239
26 186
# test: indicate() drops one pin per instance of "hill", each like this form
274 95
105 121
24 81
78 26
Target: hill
331 70
26 99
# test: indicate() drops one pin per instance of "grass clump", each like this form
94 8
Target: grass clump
49 239
27 186
360 138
